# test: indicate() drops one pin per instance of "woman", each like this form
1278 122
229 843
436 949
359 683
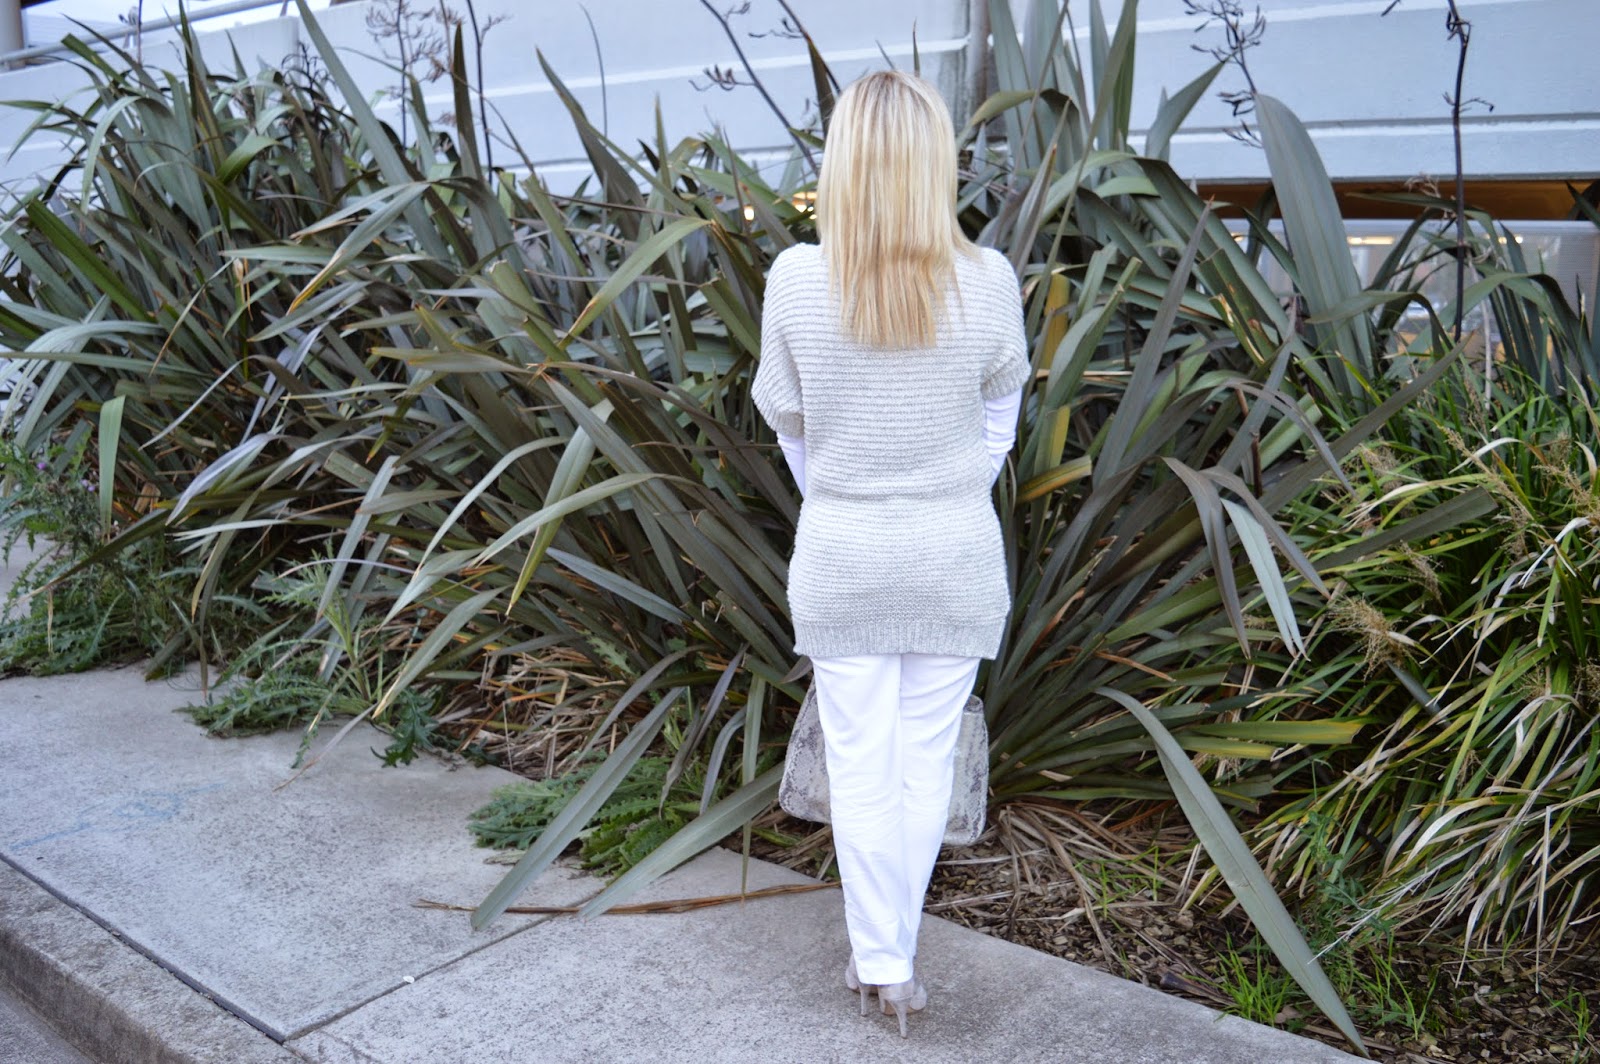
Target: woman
892 366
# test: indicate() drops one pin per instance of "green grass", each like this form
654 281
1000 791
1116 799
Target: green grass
1257 986
1578 1008
1471 650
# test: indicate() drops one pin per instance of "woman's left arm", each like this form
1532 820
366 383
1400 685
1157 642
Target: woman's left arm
1006 375
1000 428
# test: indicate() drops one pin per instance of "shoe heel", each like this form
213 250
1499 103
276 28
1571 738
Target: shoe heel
909 996
853 981
899 1008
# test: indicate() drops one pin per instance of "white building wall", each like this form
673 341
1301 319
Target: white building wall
1370 88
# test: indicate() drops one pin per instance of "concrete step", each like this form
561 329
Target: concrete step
26 1037
107 997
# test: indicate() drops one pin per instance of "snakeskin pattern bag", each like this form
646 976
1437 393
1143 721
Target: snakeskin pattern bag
804 790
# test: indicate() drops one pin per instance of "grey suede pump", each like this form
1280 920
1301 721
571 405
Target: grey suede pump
909 996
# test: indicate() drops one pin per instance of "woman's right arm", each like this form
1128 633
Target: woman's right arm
775 388
794 452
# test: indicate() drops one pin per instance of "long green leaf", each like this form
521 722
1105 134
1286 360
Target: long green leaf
1259 551
110 435
1315 228
396 172
1170 113
1238 866
643 257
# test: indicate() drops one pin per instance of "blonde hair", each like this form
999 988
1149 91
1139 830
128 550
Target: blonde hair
886 208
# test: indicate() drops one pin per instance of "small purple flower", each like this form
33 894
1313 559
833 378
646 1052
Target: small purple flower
42 464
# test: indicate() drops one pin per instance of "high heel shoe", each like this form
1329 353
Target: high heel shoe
909 996
853 982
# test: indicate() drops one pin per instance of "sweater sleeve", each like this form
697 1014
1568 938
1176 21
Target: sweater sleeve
776 388
1008 368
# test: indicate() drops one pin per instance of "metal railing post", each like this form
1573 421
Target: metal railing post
11 28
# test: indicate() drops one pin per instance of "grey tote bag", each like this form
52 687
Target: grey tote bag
804 790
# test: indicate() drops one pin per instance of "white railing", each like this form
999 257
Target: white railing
42 51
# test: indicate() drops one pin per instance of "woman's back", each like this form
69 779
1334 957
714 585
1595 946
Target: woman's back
879 423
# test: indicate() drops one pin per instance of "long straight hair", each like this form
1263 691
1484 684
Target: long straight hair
886 208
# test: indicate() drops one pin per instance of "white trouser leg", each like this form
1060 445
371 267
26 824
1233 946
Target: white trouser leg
889 724
933 691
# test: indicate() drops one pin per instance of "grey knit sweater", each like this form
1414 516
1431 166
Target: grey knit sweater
898 546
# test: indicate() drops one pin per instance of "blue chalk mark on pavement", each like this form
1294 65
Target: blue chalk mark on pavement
127 812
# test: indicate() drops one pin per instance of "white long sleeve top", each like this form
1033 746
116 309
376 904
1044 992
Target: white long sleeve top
999 436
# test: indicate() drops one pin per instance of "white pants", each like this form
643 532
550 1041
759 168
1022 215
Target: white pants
889 726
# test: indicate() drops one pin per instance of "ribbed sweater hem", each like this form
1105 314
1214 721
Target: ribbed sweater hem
978 638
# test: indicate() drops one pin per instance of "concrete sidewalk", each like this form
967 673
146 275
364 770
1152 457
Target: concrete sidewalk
162 898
